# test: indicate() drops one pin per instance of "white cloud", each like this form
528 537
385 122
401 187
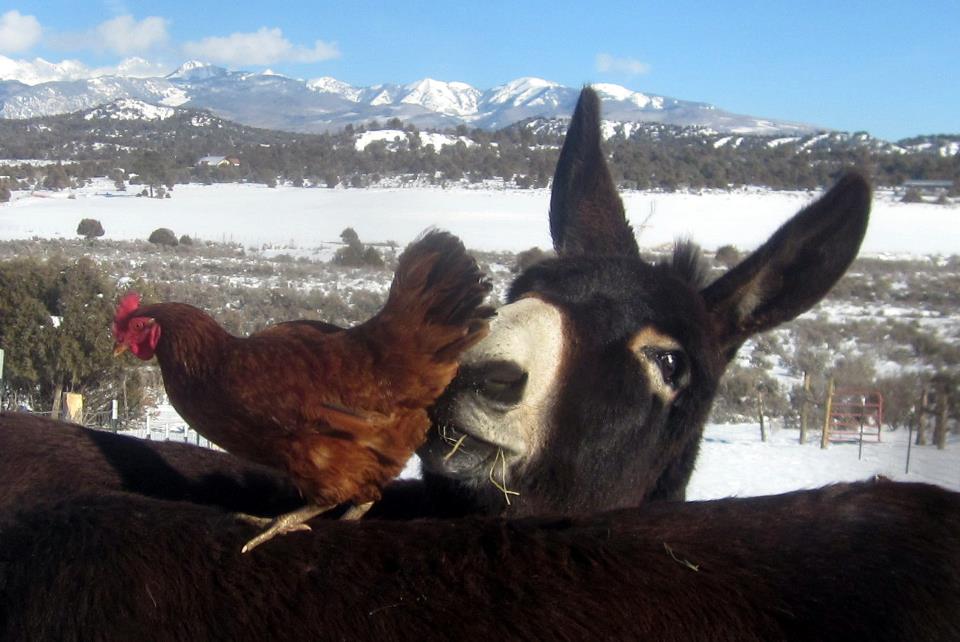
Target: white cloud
135 67
262 47
632 66
18 32
124 35
38 70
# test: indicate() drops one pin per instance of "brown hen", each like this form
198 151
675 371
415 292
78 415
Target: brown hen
340 410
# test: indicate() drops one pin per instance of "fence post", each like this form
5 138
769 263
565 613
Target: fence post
1 379
860 451
57 400
921 424
825 437
763 429
940 427
804 407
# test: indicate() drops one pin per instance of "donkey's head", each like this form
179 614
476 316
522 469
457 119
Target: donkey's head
593 387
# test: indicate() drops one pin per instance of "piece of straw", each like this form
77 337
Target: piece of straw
502 487
455 448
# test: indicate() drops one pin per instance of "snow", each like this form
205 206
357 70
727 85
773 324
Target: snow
388 135
782 141
442 140
329 85
521 91
486 219
396 135
453 99
130 109
734 461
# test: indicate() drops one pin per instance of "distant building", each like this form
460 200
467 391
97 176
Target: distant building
218 161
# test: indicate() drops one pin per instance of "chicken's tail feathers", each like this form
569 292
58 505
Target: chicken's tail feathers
438 284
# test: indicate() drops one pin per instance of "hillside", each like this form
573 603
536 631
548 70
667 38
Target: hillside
163 144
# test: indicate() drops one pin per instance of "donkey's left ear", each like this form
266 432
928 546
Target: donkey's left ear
794 269
586 213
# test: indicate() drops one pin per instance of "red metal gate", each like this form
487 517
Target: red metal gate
856 412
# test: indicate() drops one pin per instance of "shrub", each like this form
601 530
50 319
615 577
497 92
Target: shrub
349 236
737 395
355 254
912 195
727 255
372 257
528 257
90 228
186 240
163 236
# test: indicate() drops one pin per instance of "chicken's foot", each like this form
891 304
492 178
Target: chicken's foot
286 523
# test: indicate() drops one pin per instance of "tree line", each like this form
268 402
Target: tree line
156 155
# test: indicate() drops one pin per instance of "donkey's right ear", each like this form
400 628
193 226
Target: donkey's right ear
586 213
794 269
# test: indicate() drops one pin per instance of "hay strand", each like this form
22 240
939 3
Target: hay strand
679 560
455 448
503 475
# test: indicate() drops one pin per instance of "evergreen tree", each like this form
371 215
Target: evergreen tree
90 228
54 326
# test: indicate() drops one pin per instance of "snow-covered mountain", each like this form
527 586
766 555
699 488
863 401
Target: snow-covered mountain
278 102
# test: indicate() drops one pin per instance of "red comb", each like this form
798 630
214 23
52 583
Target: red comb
128 303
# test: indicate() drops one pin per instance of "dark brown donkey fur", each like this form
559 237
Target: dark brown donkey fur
870 561
105 537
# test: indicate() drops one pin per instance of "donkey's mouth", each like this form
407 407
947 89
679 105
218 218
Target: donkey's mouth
454 452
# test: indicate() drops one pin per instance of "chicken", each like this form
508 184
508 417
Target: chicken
339 410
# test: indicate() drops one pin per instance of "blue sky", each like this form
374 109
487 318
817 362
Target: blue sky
890 68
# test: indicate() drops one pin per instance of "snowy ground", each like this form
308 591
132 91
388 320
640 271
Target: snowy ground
735 462
513 220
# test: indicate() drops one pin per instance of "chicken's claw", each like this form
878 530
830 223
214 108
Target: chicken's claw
286 523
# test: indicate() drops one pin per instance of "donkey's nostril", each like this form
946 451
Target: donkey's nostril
499 381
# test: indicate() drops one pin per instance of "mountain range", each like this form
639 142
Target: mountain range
273 101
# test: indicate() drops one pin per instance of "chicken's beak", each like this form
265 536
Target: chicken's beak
119 349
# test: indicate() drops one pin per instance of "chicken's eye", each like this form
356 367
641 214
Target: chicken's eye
138 324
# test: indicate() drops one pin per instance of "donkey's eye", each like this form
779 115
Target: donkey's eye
672 365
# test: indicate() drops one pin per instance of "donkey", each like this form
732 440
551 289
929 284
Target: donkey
870 561
594 384
591 390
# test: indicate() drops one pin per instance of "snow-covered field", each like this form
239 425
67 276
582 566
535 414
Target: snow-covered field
733 460
486 219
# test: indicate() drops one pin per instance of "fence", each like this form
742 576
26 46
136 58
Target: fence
170 432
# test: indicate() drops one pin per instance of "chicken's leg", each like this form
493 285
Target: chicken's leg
286 523
357 511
